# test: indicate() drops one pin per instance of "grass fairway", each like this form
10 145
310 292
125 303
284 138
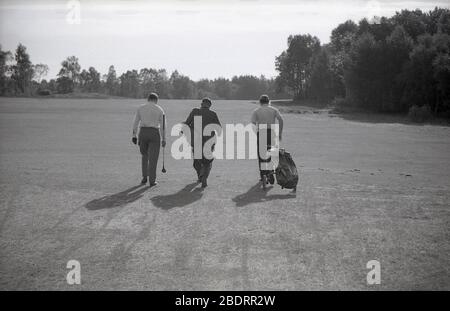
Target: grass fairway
69 179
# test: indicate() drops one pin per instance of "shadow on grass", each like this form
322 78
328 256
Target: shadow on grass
257 195
189 194
387 119
118 199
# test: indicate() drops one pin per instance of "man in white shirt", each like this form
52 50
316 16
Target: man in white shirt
149 117
266 116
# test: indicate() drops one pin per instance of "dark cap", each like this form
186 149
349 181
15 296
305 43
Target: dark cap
206 102
264 99
152 97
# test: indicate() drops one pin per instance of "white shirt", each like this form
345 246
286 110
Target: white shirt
265 114
148 115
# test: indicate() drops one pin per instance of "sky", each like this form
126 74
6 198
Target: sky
199 38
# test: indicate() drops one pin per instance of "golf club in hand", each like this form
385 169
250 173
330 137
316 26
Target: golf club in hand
163 168
164 142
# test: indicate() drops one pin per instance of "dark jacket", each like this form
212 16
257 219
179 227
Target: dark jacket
208 117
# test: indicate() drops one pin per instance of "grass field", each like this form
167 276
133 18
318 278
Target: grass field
69 189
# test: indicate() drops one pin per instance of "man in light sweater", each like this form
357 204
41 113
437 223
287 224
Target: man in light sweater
149 118
265 117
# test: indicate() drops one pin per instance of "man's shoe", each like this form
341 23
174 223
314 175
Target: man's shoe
144 181
152 184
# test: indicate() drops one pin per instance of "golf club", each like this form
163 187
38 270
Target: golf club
164 148
163 168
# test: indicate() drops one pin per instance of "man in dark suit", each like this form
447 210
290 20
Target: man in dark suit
203 163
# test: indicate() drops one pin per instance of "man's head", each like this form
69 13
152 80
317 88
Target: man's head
153 98
206 103
264 100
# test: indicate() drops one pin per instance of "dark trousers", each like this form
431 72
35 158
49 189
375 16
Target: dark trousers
203 166
268 143
149 144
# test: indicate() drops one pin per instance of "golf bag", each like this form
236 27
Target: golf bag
286 172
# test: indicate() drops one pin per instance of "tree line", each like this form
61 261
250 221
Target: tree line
383 65
20 77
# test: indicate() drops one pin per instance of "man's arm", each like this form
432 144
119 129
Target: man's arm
254 122
163 124
280 124
137 119
216 121
254 119
190 119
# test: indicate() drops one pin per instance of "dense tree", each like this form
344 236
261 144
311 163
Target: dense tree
342 36
294 63
83 78
90 80
64 85
443 24
154 80
147 77
387 66
182 86
93 83
162 84
69 75
396 50
441 68
249 87
51 85
111 82
39 72
5 57
129 84
70 68
341 41
205 88
360 71
414 22
427 73
22 71
373 69
321 80
223 88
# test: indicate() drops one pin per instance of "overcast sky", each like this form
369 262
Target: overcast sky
200 38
